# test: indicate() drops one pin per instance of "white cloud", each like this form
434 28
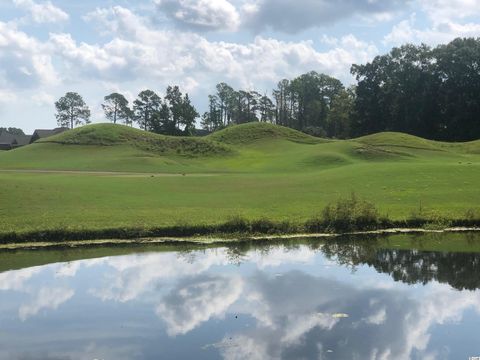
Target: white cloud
25 62
66 269
295 16
197 301
139 50
17 279
6 96
439 33
46 298
134 276
440 11
42 13
201 14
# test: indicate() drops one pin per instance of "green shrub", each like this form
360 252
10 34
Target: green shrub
472 214
350 214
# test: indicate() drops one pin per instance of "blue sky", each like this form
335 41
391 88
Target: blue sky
96 47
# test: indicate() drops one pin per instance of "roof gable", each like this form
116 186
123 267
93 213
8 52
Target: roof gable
6 138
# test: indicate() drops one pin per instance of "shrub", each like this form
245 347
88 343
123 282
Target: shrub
235 224
350 214
472 215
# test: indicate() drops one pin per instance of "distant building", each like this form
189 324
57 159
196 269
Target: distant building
9 141
6 140
22 140
42 133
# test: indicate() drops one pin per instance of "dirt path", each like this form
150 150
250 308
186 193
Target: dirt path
102 173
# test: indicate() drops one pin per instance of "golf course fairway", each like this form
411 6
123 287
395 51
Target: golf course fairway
107 176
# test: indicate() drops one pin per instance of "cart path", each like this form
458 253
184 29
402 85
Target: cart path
105 173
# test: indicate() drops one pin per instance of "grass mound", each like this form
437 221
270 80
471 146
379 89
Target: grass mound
111 135
252 132
392 140
401 140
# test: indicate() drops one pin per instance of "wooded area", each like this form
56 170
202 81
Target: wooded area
430 92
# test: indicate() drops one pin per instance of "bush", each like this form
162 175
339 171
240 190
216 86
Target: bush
472 215
350 214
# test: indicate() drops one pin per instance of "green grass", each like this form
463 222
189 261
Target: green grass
254 171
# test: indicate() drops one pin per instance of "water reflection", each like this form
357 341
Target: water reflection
461 270
335 300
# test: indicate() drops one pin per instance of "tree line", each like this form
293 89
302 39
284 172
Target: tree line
429 92
172 115
314 103
12 130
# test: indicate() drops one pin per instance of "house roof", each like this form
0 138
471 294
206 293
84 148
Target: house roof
21 140
43 133
6 138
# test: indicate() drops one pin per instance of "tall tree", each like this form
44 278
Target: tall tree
282 100
116 108
227 99
266 109
189 115
72 110
174 97
432 93
145 108
457 70
341 114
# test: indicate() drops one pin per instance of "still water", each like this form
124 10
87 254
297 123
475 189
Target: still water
401 297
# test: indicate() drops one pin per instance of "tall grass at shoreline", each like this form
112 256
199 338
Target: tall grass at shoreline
346 215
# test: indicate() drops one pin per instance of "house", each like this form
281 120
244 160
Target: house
42 133
6 140
9 141
22 140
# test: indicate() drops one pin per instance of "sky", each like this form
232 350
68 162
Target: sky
94 47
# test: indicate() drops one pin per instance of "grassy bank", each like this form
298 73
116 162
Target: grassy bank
137 184
346 216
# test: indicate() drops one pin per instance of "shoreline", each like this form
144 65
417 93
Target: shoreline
225 239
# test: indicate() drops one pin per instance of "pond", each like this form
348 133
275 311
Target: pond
396 297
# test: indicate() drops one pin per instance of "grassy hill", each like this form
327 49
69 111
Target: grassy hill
256 132
129 178
112 135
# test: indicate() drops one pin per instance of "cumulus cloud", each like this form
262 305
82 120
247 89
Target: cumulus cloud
17 280
138 49
294 315
406 31
295 16
201 14
135 276
440 11
197 300
280 15
25 62
46 298
300 310
42 13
